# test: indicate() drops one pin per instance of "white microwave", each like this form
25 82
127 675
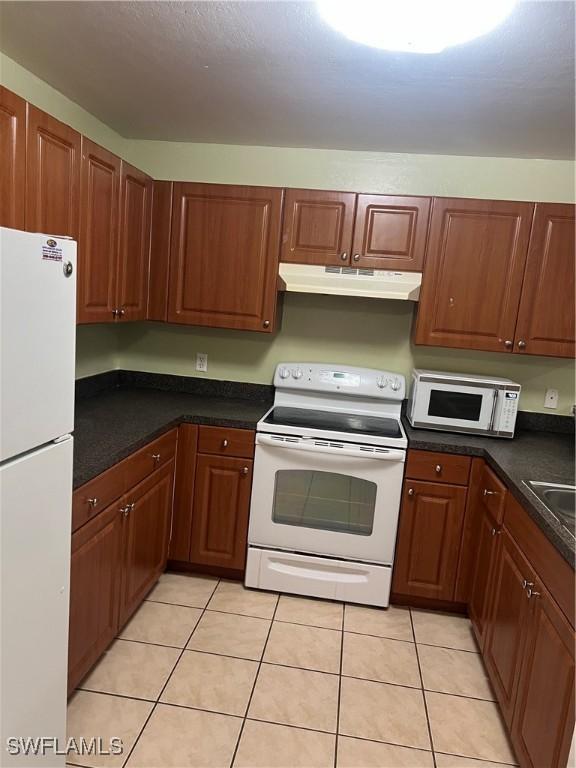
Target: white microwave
456 402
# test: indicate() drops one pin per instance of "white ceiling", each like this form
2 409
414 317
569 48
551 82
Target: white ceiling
272 73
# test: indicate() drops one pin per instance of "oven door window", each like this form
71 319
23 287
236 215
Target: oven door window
324 500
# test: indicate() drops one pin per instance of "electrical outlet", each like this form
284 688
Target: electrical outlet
202 361
551 398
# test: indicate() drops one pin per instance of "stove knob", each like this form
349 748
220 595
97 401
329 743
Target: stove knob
284 373
297 373
395 385
381 382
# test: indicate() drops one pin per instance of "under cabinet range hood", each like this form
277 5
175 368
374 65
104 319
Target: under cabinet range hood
350 281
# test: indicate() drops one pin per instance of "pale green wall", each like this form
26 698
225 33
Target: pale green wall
365 332
377 172
359 331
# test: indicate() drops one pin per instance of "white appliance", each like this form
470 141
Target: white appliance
37 343
328 471
351 281
456 402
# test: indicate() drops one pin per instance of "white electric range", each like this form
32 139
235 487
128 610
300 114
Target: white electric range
327 482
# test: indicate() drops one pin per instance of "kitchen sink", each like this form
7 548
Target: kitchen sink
560 500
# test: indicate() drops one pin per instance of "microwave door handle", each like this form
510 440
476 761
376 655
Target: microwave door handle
493 414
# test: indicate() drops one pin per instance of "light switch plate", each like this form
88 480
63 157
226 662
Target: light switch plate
201 361
551 398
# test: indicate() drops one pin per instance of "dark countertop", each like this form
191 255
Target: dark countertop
113 423
544 456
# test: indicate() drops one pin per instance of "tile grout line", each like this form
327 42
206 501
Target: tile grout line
125 762
339 687
422 690
255 681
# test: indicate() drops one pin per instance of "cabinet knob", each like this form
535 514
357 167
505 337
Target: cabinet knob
438 468
496 531
521 344
526 583
121 311
266 323
532 593
508 344
344 256
356 257
410 491
93 502
490 493
115 312
224 443
245 470
156 457
125 510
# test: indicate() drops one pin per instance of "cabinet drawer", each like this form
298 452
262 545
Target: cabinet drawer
438 467
147 459
94 496
492 494
226 442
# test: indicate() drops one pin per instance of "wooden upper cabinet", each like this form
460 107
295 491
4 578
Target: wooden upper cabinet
544 714
428 544
53 159
98 246
224 256
134 251
160 250
473 275
390 232
12 159
546 316
318 227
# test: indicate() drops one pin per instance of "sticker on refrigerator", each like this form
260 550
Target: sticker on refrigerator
50 251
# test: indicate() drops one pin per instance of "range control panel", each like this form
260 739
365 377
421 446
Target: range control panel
344 380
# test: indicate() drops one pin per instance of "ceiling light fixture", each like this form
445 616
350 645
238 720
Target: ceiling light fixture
416 26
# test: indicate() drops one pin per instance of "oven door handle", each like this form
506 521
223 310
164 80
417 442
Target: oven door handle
315 445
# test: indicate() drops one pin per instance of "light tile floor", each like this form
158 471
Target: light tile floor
210 674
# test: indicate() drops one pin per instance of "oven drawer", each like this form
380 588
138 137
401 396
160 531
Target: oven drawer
225 441
352 582
438 467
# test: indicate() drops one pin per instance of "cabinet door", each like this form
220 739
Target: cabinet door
161 231
390 232
481 596
221 507
317 227
146 532
546 317
134 253
544 714
428 544
12 159
95 573
183 492
224 256
473 274
98 249
507 616
53 155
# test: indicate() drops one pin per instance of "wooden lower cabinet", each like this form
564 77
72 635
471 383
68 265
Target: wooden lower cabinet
428 543
116 558
146 514
544 714
221 509
508 610
479 603
95 577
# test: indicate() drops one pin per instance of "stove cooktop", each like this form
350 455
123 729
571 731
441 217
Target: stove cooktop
349 423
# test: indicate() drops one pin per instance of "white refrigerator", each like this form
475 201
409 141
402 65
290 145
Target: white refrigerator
37 349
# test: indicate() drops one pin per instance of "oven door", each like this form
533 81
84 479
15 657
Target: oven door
335 499
454 406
